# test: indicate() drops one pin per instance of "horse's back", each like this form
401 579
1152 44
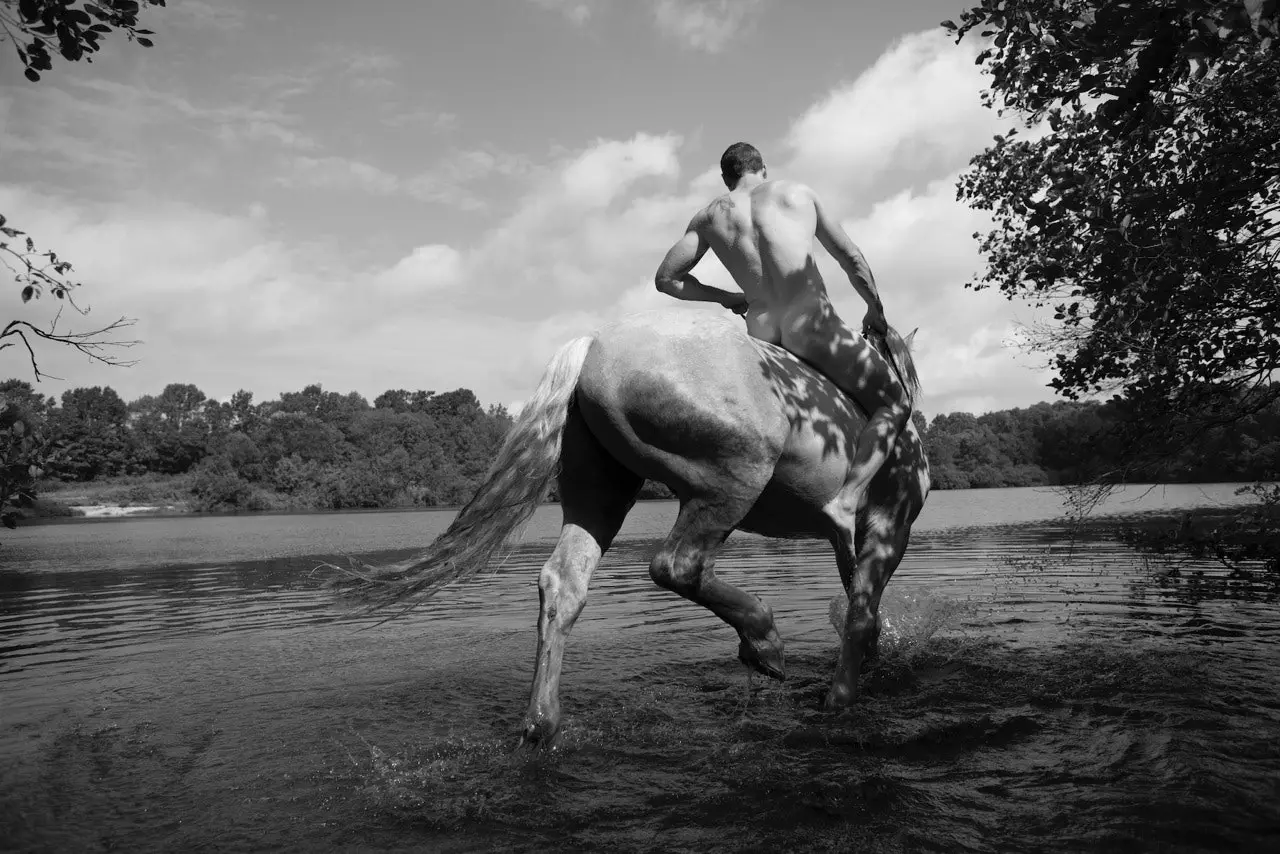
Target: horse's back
667 394
690 400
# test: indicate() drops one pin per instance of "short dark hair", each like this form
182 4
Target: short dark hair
739 159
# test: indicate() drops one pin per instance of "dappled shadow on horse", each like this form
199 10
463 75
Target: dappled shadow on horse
746 435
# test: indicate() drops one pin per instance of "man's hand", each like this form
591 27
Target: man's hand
874 321
738 306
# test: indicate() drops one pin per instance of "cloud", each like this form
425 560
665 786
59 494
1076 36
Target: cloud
438 121
920 248
339 173
450 180
577 11
915 112
425 268
707 25
590 224
205 16
609 168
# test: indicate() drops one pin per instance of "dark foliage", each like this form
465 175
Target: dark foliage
69 28
315 449
1145 206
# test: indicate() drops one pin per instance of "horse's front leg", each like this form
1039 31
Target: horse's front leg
865 570
562 593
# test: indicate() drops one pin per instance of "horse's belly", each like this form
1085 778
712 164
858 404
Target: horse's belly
807 476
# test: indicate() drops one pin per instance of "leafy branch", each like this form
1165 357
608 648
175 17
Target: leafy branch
41 272
72 27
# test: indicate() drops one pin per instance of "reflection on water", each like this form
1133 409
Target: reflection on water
181 683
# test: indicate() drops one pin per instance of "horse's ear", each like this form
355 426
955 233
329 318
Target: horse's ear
912 336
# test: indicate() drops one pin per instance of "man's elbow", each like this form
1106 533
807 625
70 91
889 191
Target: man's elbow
666 284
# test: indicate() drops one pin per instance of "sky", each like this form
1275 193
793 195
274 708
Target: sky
430 194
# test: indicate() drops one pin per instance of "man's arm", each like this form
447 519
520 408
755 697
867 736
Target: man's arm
674 279
834 240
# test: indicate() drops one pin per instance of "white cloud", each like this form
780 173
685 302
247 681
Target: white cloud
451 179
707 25
610 167
201 15
916 110
339 173
921 250
577 11
424 269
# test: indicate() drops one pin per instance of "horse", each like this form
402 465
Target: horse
746 435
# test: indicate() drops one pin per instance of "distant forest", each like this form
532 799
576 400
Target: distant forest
316 449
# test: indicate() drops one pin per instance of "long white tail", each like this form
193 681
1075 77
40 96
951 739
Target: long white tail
517 481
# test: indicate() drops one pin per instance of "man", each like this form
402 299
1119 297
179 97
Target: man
763 231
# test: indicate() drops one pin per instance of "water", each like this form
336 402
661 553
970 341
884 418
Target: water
176 684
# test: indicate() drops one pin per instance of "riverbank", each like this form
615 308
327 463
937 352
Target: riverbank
1247 536
173 495
141 495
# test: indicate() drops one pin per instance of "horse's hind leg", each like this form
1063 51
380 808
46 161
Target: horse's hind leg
595 494
685 563
865 570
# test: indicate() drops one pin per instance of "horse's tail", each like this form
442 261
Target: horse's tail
517 481
898 352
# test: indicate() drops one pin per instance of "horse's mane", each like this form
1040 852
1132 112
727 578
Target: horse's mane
897 350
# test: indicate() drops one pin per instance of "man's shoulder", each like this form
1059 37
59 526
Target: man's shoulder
793 190
707 215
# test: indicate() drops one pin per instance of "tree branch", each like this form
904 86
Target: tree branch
91 343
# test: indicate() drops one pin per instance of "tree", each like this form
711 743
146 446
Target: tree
74 27
1145 205
21 447
90 436
171 432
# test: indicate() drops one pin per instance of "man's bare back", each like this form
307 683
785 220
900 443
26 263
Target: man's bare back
763 232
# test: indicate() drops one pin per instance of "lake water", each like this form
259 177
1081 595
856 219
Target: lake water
182 684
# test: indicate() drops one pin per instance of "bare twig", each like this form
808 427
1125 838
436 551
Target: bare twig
91 343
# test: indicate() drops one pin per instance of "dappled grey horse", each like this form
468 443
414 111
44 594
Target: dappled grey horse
746 435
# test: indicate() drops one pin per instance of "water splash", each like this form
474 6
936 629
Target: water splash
909 617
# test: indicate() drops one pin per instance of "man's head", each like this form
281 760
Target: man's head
740 159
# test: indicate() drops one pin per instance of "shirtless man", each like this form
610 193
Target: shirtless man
762 231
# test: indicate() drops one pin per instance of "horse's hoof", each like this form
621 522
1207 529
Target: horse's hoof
540 735
764 656
839 697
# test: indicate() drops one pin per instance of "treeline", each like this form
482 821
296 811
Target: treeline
316 449
1072 442
312 449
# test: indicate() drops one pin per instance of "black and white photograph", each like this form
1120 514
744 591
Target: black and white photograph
639 426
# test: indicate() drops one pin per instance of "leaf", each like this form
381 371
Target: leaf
70 48
31 245
144 42
31 75
18 428
9 520
950 25
27 293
